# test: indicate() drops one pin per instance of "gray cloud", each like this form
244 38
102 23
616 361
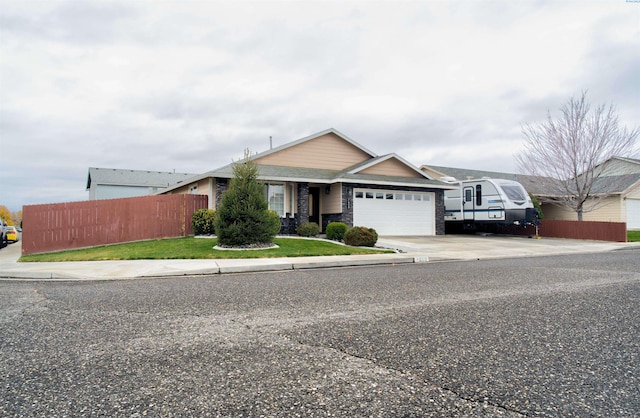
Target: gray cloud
189 85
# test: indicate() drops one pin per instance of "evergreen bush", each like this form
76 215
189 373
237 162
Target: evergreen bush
536 204
308 229
336 230
243 217
360 236
203 222
274 222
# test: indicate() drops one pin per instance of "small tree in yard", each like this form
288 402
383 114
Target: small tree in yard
567 153
243 218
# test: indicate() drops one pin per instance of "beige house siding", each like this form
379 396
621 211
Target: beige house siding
206 187
327 151
332 202
610 210
432 173
392 167
181 190
634 191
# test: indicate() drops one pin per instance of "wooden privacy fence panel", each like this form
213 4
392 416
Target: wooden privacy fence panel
599 231
62 226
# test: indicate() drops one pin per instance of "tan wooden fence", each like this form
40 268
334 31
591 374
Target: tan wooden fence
62 226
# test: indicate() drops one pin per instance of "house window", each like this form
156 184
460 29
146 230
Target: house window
359 195
275 197
193 189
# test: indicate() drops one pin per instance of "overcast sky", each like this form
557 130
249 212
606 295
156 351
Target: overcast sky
188 85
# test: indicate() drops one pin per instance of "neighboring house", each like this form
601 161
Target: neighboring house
328 177
621 183
112 183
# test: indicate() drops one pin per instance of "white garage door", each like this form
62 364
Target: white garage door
633 213
395 213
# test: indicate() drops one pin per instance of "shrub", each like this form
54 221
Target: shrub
274 222
203 222
309 229
243 217
360 236
336 230
536 204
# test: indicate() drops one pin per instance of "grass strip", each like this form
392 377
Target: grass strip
198 248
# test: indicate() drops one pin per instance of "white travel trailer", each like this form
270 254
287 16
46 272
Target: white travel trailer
487 202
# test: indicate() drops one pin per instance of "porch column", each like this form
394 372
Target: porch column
221 187
347 204
302 215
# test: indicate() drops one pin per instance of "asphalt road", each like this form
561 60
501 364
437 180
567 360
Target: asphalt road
547 336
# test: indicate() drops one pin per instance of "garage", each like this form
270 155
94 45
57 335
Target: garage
392 212
633 213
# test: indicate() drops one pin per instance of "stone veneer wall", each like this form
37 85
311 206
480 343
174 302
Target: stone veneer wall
221 186
439 212
302 215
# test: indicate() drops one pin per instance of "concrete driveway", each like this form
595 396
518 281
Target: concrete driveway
473 247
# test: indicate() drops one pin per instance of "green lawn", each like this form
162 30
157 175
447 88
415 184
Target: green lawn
198 248
633 236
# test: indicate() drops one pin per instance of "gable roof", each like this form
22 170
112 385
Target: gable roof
122 177
312 137
377 161
298 170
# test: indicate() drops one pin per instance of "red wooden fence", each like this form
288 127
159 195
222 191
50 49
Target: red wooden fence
62 226
599 231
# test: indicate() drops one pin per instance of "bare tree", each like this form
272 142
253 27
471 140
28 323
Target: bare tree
568 154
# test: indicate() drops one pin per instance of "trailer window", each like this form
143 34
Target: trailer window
514 192
478 194
467 195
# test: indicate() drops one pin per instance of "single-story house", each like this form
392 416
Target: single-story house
113 183
328 177
620 184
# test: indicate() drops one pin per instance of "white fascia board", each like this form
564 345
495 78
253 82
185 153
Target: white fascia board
426 167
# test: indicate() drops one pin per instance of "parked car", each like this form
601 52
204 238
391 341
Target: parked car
3 235
12 234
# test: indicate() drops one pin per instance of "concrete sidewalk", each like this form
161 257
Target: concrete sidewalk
409 250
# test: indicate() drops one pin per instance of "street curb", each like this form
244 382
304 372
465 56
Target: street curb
219 270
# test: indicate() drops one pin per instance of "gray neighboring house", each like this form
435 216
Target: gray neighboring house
114 183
